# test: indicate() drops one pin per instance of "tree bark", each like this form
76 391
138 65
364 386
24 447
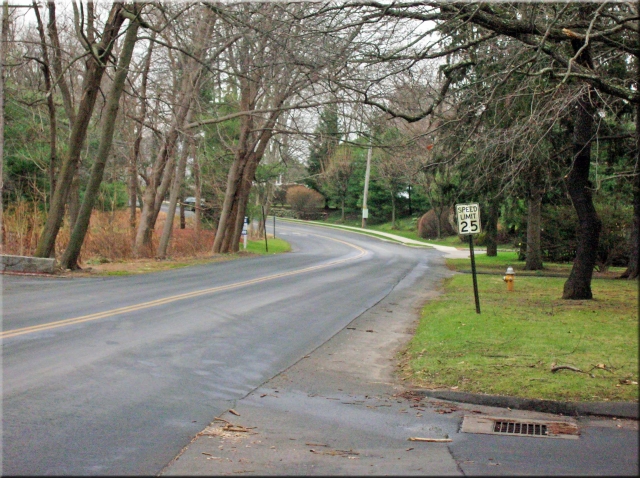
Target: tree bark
183 218
164 166
90 87
534 253
133 166
393 210
578 285
46 72
163 171
491 228
196 178
56 63
73 200
161 252
69 258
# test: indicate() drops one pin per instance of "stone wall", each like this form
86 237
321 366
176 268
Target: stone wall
27 264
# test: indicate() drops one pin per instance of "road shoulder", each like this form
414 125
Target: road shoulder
339 410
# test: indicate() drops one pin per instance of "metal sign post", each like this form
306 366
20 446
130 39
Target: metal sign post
264 225
469 224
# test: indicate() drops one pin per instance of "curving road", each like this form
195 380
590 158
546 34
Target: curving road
117 375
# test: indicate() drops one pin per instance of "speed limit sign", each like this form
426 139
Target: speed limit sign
468 218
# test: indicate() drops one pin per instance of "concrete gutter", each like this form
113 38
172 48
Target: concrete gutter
606 409
36 265
450 252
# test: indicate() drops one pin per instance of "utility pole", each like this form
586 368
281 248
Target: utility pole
365 211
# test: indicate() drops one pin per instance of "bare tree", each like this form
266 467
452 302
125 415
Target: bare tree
277 62
69 259
97 55
568 44
164 166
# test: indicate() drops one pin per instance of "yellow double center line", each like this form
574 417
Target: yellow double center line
155 303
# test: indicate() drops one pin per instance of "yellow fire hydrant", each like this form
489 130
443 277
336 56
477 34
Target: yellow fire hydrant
508 278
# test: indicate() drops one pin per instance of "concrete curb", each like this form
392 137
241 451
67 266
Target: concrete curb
27 264
607 409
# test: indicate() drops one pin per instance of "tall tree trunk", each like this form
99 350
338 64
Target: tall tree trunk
163 170
133 166
90 87
46 71
233 180
196 178
491 227
161 252
69 259
164 165
578 285
223 242
238 212
534 253
56 63
73 201
393 210
183 218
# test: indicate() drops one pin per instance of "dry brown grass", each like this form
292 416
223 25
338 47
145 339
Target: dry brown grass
109 238
22 224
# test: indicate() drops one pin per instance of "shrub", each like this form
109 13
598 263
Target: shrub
304 200
559 228
613 247
428 227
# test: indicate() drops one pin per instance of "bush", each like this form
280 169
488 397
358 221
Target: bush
613 247
559 228
304 200
282 212
428 227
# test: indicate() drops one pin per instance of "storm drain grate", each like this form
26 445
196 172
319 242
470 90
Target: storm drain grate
515 427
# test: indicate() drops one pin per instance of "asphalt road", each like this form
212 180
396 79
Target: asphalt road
117 375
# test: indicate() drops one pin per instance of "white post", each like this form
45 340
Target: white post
245 232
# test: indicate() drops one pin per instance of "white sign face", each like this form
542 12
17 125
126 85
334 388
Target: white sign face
468 218
365 214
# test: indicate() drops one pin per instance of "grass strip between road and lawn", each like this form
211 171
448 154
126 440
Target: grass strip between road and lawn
142 266
519 337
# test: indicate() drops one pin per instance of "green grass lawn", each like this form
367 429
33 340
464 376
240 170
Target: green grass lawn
510 348
504 259
276 246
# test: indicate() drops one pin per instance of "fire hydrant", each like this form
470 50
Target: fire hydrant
508 278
